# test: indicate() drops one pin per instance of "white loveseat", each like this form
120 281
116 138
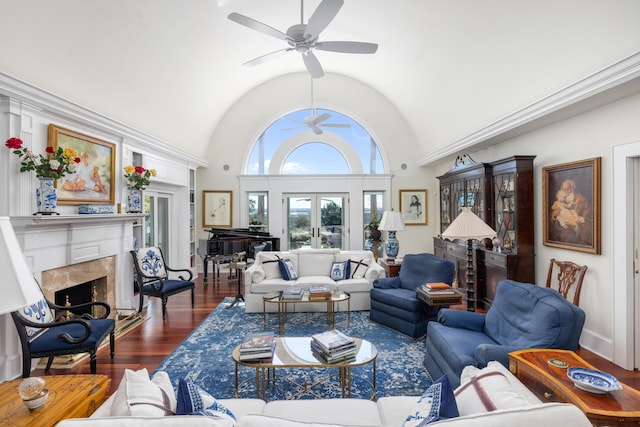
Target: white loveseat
313 267
496 399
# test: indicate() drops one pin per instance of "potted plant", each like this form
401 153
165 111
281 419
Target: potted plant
372 227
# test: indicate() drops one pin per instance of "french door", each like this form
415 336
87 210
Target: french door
316 220
156 232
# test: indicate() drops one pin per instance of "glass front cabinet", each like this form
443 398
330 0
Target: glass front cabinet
501 193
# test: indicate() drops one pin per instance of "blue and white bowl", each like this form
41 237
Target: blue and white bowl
593 381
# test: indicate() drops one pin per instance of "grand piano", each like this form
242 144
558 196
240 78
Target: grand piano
224 242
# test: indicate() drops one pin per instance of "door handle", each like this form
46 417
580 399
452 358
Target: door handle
313 232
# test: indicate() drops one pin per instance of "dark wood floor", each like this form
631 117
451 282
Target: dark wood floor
147 345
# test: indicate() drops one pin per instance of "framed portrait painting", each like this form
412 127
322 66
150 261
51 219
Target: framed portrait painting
571 205
216 208
413 207
93 182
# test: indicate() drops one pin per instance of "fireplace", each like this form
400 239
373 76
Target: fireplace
94 290
83 282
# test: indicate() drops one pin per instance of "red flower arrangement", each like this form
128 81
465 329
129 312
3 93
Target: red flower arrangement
58 163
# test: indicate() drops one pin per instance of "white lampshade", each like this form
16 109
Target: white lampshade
468 226
19 288
391 221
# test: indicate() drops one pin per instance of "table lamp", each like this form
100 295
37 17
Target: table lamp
391 222
19 288
468 226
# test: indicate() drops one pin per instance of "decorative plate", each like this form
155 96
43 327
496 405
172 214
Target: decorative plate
593 381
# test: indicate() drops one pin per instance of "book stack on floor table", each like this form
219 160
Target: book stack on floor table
258 347
319 292
438 294
333 347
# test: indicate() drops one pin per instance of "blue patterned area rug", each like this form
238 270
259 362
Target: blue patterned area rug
204 357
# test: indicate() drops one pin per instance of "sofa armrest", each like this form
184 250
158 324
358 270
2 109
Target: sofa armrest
254 274
461 319
387 283
485 353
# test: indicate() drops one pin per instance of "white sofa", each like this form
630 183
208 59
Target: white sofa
514 405
313 267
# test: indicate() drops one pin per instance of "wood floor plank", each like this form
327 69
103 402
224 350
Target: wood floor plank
147 345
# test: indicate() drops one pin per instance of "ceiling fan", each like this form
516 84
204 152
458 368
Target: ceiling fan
303 37
315 122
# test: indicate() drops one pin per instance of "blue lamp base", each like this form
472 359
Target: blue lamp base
392 246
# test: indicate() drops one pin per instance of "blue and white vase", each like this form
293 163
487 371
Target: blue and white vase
134 201
392 246
46 197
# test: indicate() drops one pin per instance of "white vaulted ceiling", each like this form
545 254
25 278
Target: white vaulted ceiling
173 68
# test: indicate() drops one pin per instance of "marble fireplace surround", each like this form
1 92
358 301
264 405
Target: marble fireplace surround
66 250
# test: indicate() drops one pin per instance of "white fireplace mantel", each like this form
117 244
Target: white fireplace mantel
53 241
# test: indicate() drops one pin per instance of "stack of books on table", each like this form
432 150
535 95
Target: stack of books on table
438 288
333 347
258 347
319 292
292 293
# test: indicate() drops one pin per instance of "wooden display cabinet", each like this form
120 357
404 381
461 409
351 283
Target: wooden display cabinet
501 193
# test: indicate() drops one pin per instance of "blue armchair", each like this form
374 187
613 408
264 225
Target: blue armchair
393 299
522 315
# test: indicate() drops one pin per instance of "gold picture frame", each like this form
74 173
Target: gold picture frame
413 207
94 180
217 208
571 205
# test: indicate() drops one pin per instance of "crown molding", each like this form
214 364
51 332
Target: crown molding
607 85
56 106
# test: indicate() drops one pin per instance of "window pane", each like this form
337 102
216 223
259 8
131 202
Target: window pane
258 211
293 123
315 158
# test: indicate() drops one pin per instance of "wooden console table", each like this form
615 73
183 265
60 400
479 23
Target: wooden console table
70 396
551 384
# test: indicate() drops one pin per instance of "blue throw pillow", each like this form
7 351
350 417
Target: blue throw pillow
340 270
287 269
437 403
192 400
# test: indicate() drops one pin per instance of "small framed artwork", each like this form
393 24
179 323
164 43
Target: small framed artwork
413 206
571 205
216 208
93 182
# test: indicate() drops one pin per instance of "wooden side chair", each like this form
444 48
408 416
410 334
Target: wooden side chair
153 278
42 336
566 277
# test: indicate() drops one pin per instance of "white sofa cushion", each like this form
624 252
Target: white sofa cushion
315 263
138 395
491 388
356 412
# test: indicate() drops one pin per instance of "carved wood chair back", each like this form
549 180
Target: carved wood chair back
566 277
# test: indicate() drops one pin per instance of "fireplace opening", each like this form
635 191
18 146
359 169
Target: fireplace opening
79 294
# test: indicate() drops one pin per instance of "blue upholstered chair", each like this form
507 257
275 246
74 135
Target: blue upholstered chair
42 336
393 299
522 315
156 279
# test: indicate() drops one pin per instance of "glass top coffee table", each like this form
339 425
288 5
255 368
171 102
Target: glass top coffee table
285 306
295 352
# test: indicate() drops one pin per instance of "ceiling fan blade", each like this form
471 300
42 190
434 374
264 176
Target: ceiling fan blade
335 125
293 128
316 130
265 57
323 15
321 118
347 47
257 25
312 64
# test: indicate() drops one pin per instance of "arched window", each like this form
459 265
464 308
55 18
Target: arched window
294 145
